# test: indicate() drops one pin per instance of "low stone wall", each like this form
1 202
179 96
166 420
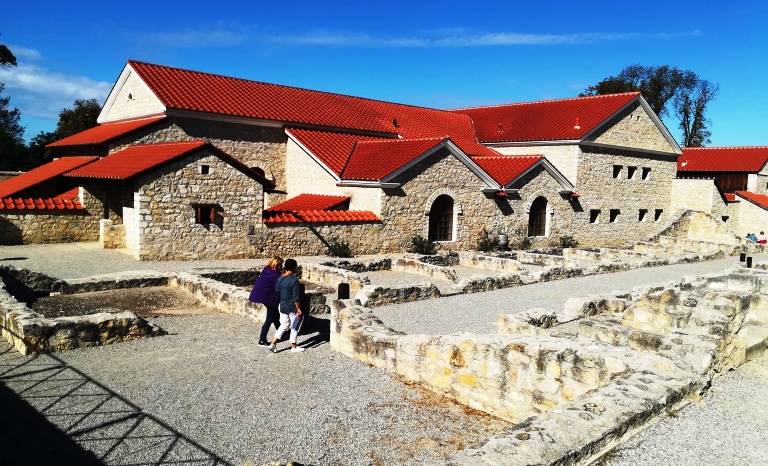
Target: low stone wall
373 296
54 227
604 254
436 272
332 276
32 333
543 260
478 284
111 236
492 263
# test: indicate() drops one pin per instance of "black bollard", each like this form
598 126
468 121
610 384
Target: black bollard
343 291
749 262
742 257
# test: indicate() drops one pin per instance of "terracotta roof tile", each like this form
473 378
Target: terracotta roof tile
723 159
761 200
505 169
374 160
309 202
191 90
547 120
332 149
103 133
320 216
54 203
41 174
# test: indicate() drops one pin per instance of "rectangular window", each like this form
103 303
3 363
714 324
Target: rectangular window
657 215
646 173
205 214
617 171
594 215
205 169
631 173
642 216
614 215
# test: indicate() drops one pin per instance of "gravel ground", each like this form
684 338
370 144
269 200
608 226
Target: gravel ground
729 427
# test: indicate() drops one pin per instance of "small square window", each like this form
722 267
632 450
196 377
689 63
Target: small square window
617 171
646 173
205 214
614 215
594 215
631 173
642 215
205 169
657 215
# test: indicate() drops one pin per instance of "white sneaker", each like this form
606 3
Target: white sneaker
298 349
273 348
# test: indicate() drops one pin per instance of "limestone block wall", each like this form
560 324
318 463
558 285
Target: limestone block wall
501 374
332 276
496 264
302 239
437 272
33 227
703 196
632 128
168 228
565 158
111 236
255 146
133 99
601 193
752 219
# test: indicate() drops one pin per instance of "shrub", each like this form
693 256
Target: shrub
487 241
423 245
339 247
568 241
525 244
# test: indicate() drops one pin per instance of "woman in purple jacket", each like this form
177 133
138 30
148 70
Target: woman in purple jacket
263 292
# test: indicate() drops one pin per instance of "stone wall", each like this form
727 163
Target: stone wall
491 263
168 228
752 219
111 236
632 128
34 227
304 239
703 196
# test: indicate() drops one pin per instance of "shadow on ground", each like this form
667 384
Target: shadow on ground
53 413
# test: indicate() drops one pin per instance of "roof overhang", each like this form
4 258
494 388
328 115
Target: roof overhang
554 172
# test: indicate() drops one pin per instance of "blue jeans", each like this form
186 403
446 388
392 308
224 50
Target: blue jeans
273 317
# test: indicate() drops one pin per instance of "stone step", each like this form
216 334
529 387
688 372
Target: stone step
611 331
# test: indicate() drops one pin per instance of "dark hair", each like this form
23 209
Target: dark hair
290 265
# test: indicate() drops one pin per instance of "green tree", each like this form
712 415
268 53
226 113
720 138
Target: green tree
36 150
668 91
74 120
6 58
12 148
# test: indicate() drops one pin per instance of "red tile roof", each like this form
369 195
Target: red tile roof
41 174
134 160
202 92
103 133
332 149
309 202
320 216
65 201
730 197
723 159
504 169
548 120
374 160
760 200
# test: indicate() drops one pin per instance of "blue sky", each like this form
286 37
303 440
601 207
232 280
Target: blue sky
445 54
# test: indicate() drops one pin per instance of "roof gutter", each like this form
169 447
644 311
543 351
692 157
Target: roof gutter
367 184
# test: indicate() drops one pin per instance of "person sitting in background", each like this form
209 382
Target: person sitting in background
752 237
762 239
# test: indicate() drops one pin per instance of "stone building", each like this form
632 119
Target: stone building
373 173
709 179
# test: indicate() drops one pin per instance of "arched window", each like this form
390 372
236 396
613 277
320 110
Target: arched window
441 219
537 218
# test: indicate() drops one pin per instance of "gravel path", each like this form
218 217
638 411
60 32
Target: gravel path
729 427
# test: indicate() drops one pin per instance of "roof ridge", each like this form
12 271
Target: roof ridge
170 143
436 138
564 99
283 85
725 147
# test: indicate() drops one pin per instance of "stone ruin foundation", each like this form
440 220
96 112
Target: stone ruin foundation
575 381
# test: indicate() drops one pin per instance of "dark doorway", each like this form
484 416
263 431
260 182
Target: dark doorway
441 219
537 219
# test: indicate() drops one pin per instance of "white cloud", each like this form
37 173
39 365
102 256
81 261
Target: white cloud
41 93
463 38
23 53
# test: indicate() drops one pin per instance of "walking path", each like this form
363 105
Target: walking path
207 393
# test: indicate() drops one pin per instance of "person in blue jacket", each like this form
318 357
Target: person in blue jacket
265 292
290 307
